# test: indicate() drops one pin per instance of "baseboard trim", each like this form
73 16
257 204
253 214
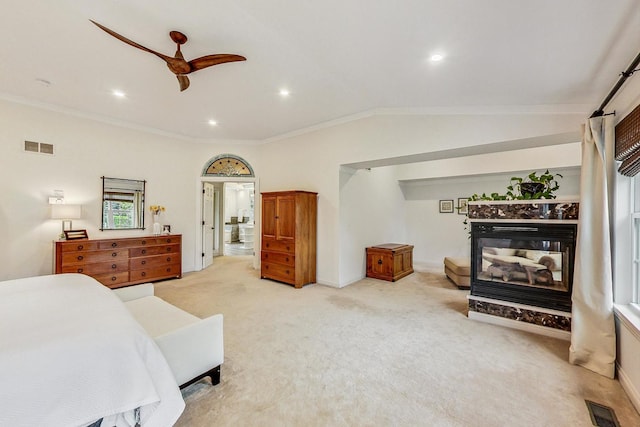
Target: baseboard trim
522 326
629 388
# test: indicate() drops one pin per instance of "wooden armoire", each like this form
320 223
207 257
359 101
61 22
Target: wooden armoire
289 221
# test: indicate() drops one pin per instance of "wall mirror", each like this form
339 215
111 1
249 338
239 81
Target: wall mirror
122 204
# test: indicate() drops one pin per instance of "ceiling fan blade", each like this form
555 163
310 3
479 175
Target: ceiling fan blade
184 82
131 42
209 60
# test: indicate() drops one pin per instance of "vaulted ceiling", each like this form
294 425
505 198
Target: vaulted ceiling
337 58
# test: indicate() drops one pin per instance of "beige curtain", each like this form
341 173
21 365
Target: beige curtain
593 340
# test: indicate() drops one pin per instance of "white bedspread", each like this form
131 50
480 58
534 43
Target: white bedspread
71 353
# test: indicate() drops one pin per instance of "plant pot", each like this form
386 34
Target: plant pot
531 188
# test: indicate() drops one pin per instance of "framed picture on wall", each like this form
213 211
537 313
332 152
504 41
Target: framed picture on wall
446 206
463 206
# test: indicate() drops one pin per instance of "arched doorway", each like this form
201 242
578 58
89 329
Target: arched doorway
227 205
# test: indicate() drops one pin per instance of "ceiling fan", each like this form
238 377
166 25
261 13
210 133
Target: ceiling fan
177 64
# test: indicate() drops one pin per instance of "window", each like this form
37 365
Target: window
635 216
118 214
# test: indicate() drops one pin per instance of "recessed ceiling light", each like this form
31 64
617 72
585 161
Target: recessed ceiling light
212 122
118 93
436 57
284 93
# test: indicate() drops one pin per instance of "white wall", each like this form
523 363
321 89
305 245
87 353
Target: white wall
85 150
435 234
312 162
371 212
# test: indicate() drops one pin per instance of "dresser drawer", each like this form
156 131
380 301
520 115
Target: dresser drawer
127 243
97 268
153 261
89 257
168 240
154 273
154 250
288 246
278 257
78 246
280 272
112 280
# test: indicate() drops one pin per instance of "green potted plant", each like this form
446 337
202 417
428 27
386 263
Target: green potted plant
533 186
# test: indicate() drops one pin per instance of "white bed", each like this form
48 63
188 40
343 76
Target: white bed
71 354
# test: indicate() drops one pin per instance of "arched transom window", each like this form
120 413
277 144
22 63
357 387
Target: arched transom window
228 165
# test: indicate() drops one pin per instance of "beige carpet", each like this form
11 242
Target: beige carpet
376 354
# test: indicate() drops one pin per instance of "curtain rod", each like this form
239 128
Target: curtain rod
623 77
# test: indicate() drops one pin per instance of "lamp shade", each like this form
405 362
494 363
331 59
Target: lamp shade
66 211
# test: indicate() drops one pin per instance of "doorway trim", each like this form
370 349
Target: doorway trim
212 176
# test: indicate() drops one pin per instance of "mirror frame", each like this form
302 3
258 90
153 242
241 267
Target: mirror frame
136 185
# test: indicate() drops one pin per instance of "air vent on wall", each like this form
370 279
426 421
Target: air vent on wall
38 147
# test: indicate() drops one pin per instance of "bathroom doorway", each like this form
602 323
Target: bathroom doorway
226 205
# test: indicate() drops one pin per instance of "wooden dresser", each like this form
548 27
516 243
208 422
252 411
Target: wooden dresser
289 237
121 262
389 261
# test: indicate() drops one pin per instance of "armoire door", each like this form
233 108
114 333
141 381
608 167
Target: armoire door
286 218
269 217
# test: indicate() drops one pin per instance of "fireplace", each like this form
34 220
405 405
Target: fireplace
524 262
522 256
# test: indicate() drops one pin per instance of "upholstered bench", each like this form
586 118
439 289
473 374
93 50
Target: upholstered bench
192 346
458 271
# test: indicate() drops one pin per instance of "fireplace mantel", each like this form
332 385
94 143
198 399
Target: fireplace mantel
553 210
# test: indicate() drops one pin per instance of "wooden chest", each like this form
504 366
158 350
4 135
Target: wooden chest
121 262
389 261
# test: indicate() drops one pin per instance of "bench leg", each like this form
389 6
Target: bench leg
214 374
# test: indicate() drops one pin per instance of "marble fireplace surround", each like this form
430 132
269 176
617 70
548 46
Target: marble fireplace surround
541 320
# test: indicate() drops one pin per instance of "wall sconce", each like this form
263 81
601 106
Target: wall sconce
66 213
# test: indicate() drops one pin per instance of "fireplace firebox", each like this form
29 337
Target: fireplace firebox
529 263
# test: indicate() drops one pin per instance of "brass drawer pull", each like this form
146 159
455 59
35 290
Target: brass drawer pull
169 249
80 270
114 244
144 262
144 242
80 257
114 254
114 278
144 273
144 251
80 247
114 266
168 259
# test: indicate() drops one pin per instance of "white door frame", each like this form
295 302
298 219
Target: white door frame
199 216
